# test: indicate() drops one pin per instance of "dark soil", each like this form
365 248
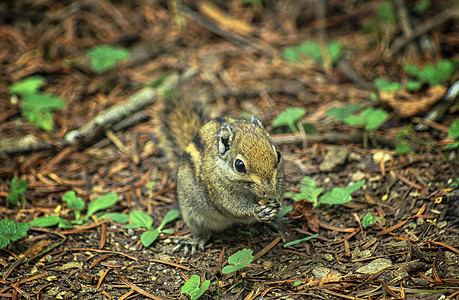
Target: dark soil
412 194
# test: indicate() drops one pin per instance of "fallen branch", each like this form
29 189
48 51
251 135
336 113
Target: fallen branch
114 118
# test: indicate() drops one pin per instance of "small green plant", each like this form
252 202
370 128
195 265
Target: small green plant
192 288
11 231
238 260
99 204
370 118
290 118
17 194
139 219
300 240
310 192
37 107
433 74
105 57
74 203
368 220
403 148
453 132
327 56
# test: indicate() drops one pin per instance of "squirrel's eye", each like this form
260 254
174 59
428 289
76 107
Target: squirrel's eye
279 156
239 166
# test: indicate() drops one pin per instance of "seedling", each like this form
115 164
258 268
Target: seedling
101 203
104 58
17 194
74 203
300 240
291 117
11 231
36 106
341 113
192 288
325 56
238 260
369 219
369 118
309 191
140 219
433 74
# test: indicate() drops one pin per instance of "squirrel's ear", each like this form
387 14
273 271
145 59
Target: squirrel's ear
256 121
224 138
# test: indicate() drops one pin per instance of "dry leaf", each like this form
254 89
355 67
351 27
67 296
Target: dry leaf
409 105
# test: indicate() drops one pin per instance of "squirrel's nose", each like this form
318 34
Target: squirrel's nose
268 190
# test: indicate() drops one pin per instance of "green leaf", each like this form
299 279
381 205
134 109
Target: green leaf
169 217
297 283
300 240
335 196
309 190
141 219
65 224
117 217
412 70
285 210
73 201
29 85
354 187
101 203
42 119
452 146
387 86
313 50
11 231
403 148
386 12
167 231
368 219
370 117
373 118
309 128
17 189
192 289
413 85
104 58
334 51
148 237
341 113
48 221
238 260
289 117
453 131
41 102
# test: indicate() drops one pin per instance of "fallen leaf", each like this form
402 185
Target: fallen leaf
409 105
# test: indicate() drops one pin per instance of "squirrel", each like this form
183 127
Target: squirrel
229 171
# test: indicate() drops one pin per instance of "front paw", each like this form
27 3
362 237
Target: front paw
267 212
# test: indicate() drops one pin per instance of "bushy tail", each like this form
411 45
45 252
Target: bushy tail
183 115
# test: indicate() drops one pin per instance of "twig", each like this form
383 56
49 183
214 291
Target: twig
401 43
105 120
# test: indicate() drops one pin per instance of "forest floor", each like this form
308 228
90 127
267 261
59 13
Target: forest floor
246 51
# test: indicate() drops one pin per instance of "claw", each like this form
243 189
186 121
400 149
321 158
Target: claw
189 245
267 212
